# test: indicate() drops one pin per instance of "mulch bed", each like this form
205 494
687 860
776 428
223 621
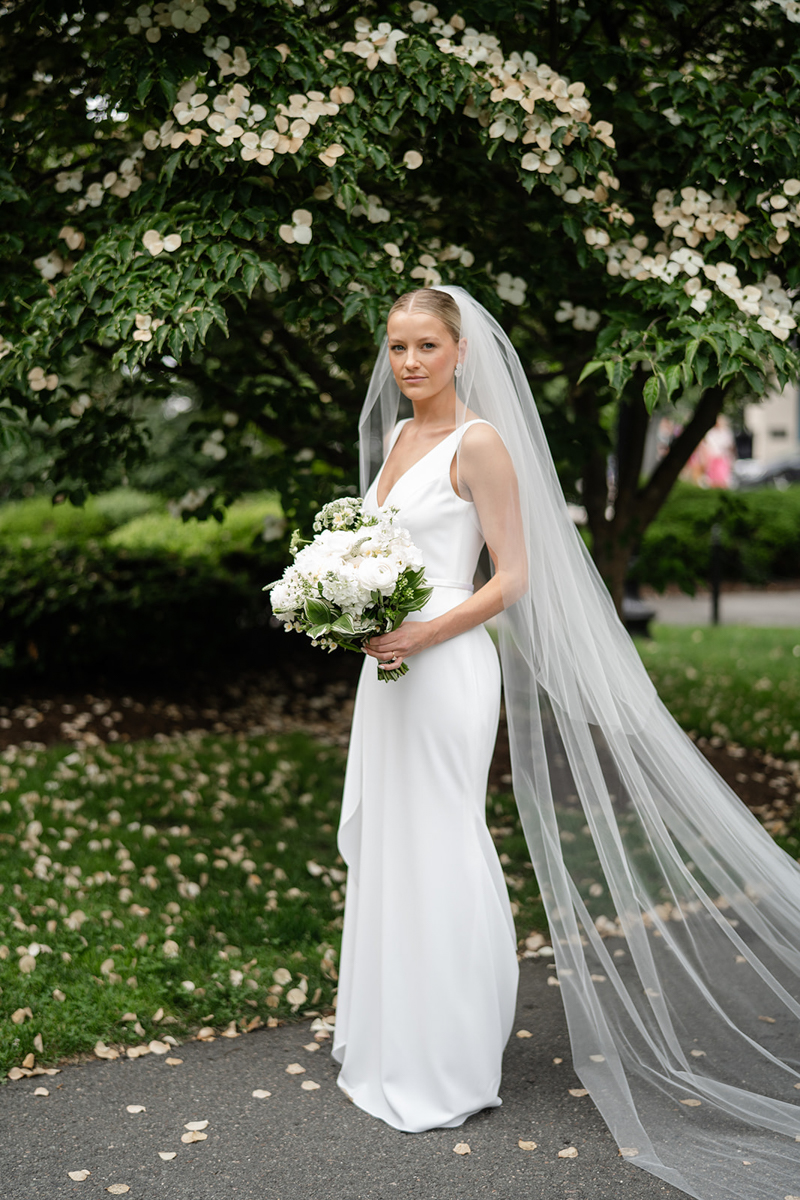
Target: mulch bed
314 697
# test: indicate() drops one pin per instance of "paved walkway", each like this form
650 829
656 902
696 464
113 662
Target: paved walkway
765 608
309 1145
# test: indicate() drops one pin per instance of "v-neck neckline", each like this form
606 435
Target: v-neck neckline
408 469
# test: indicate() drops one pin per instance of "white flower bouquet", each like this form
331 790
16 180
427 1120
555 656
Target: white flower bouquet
359 576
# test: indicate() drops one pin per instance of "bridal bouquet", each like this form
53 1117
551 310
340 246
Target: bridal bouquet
359 576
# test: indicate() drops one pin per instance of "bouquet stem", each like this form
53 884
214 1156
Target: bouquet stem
395 673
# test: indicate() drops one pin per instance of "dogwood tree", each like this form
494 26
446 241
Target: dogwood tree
213 204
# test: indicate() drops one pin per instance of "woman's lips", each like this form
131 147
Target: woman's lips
413 379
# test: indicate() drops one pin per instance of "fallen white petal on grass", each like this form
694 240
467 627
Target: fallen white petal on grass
570 1152
156 1047
558 1061
167 1155
698 1054
461 1148
311 1047
628 1151
137 1051
308 1085
79 1176
194 1136
173 1062
135 1108
552 981
261 1094
527 1145
118 1189
578 1091
40 1091
295 1069
196 1126
597 1057
692 1103
231 1031
206 1034
524 1033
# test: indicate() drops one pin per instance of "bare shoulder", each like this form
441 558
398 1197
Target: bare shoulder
481 444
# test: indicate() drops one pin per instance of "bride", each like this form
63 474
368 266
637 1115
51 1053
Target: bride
675 919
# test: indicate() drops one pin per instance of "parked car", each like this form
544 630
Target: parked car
748 473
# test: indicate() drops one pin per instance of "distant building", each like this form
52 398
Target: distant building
775 425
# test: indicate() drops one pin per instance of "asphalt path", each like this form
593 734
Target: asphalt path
301 1144
768 609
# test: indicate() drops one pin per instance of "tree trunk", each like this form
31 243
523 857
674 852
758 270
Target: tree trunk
617 530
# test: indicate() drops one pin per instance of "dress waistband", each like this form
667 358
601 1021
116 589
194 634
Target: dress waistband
450 583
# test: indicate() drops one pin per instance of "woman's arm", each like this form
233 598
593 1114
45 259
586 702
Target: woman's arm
487 477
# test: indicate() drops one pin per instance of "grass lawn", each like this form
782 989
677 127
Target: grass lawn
174 879
735 682
180 875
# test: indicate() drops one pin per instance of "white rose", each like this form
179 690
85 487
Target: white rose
378 575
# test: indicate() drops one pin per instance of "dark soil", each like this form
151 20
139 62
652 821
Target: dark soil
307 692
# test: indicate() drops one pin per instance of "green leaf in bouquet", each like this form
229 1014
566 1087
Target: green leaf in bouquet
318 612
318 631
420 599
343 624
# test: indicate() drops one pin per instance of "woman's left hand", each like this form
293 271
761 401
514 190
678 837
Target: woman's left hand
391 649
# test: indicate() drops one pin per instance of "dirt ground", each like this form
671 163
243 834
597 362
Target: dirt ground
316 697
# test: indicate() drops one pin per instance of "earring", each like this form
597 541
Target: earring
458 370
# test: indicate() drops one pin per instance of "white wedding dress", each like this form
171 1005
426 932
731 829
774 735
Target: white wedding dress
428 974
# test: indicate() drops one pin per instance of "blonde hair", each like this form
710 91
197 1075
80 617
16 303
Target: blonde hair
436 304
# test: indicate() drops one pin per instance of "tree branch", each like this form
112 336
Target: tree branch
655 491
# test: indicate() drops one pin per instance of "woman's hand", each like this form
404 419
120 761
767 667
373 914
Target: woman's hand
391 649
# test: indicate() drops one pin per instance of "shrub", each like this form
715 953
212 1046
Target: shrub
118 588
759 537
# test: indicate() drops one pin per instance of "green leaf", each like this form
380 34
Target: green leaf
651 393
672 379
595 365
343 624
318 612
251 273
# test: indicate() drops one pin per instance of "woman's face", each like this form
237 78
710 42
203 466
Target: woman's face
422 354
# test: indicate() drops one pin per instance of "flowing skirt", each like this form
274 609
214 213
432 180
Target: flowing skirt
428 974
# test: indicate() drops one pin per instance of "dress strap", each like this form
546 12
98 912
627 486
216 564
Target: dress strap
460 430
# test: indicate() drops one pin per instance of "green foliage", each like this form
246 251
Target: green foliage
734 682
759 536
159 533
38 522
272 334
102 588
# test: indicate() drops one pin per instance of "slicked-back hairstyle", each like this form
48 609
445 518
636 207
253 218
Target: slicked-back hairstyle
435 303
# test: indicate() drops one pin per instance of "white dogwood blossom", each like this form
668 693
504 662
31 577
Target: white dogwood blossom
300 229
579 317
511 288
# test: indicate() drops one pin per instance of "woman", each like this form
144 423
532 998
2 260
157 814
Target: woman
674 916
429 967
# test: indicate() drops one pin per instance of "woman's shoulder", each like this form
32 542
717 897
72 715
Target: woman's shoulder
480 433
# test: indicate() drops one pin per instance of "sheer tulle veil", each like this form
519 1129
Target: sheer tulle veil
675 918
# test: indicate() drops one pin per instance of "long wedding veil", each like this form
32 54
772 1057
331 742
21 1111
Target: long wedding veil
675 919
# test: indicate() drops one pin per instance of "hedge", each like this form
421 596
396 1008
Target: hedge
122 587
759 537
117 588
